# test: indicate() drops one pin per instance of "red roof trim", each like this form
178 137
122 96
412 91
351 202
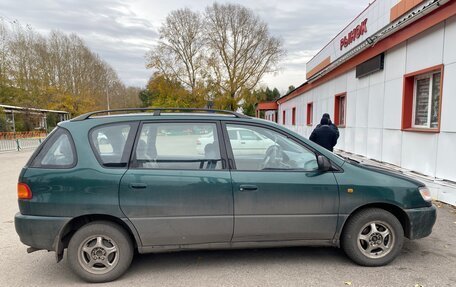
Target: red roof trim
267 106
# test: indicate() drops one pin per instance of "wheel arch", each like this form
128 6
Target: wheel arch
397 211
75 223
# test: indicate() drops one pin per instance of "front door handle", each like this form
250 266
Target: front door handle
138 185
248 187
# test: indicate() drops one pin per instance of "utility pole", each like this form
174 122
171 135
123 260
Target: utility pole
107 100
14 124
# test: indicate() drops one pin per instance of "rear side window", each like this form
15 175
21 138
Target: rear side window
232 134
109 144
178 146
58 152
248 135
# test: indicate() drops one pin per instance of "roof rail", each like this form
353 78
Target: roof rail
157 112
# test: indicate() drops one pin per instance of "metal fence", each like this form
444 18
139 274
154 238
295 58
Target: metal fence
20 144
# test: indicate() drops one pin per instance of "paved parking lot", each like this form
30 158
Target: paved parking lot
426 262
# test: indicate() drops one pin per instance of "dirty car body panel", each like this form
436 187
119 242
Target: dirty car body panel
225 207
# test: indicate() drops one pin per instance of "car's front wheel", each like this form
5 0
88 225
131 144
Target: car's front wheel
100 252
372 237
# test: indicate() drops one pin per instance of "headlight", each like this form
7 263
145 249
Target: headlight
425 193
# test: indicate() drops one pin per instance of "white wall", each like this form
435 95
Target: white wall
269 115
374 107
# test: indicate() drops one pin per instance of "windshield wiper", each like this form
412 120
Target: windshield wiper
350 160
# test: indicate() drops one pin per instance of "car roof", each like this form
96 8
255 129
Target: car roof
102 117
150 114
159 112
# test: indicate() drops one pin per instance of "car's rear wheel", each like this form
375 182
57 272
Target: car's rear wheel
373 237
100 252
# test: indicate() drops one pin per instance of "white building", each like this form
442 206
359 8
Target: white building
388 80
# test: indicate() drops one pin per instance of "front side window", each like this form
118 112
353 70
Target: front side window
57 152
268 150
109 142
178 146
426 100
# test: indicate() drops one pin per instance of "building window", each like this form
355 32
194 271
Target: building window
426 99
293 116
340 109
421 100
283 117
309 113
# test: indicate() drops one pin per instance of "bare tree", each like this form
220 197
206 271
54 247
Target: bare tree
55 71
223 51
179 53
242 50
4 59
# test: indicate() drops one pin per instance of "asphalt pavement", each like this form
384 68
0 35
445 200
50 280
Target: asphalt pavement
426 262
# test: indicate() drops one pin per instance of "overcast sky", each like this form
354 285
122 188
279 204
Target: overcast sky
121 32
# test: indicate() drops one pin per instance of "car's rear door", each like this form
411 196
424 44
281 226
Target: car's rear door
282 196
172 193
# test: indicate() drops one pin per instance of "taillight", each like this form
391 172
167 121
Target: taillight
198 142
23 191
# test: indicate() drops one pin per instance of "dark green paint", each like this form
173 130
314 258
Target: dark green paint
205 207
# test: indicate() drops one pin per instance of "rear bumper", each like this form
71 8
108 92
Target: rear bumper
421 221
39 232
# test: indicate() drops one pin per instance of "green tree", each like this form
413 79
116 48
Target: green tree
271 95
4 126
275 94
290 89
146 97
251 99
170 93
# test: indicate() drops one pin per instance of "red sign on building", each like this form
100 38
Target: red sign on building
354 34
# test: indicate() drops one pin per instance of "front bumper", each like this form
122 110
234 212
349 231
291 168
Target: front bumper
421 221
40 232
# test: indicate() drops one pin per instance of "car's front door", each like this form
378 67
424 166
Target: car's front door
281 195
172 193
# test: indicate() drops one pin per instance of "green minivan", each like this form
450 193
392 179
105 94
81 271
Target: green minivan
106 184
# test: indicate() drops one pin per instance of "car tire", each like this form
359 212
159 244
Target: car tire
100 251
372 237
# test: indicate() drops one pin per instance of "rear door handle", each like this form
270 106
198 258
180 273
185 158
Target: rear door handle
248 187
138 185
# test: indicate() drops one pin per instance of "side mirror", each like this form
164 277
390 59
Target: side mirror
323 163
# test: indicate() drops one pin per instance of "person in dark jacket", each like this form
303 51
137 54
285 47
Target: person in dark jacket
333 126
324 135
